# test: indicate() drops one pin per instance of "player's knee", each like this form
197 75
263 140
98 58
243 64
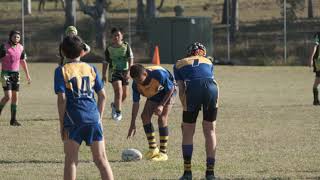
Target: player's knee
124 96
7 97
99 161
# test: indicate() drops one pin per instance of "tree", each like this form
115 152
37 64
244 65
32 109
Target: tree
98 14
140 16
292 6
310 9
151 9
70 13
27 7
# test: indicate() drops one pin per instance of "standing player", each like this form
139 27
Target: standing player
80 116
12 55
157 84
119 58
197 89
315 63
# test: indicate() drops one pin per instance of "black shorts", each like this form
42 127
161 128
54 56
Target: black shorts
10 80
317 74
117 75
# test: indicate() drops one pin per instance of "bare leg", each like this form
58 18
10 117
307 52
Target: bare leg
117 88
101 160
71 149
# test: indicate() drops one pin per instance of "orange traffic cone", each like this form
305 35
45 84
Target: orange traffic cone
156 56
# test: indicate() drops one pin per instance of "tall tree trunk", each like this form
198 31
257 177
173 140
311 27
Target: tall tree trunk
234 19
70 13
140 17
151 9
27 7
310 9
224 12
98 14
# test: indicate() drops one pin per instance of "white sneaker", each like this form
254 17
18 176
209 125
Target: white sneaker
117 117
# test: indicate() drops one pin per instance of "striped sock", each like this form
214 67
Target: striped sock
210 166
164 136
149 130
187 156
13 112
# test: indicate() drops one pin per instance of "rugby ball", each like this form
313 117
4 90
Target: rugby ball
131 155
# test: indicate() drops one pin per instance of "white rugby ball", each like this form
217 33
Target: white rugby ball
131 155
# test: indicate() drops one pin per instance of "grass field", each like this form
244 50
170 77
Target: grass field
266 128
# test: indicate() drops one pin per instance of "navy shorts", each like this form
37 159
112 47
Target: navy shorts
201 94
88 133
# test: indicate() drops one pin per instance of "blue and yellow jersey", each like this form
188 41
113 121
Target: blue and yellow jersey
158 82
78 80
193 68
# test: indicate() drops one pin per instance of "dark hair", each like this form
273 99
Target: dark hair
115 29
13 32
136 70
72 46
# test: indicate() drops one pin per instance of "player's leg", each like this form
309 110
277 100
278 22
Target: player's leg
164 131
100 159
315 89
7 97
71 149
146 116
117 88
210 109
14 105
188 128
125 86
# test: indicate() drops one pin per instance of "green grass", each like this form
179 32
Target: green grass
266 128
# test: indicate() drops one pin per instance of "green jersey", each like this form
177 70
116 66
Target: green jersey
118 57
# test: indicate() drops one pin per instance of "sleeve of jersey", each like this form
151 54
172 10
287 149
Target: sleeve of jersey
23 55
107 56
135 92
176 73
316 39
129 52
98 84
164 79
59 84
2 51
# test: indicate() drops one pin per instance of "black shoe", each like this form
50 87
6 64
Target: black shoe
14 123
186 176
316 103
210 177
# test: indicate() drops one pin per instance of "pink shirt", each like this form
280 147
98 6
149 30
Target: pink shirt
11 62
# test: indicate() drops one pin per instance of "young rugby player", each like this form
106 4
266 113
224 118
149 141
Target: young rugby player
119 58
12 54
315 63
157 84
80 116
197 89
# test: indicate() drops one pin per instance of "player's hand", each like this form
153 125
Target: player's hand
29 79
158 110
131 131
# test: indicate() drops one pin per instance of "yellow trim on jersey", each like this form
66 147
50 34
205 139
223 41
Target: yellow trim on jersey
78 70
190 60
150 89
151 68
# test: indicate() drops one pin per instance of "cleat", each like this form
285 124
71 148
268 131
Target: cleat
210 177
14 123
117 117
160 157
152 153
186 176
316 103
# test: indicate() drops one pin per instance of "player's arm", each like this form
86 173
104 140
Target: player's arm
130 57
182 90
101 102
135 110
24 65
105 65
313 54
61 102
